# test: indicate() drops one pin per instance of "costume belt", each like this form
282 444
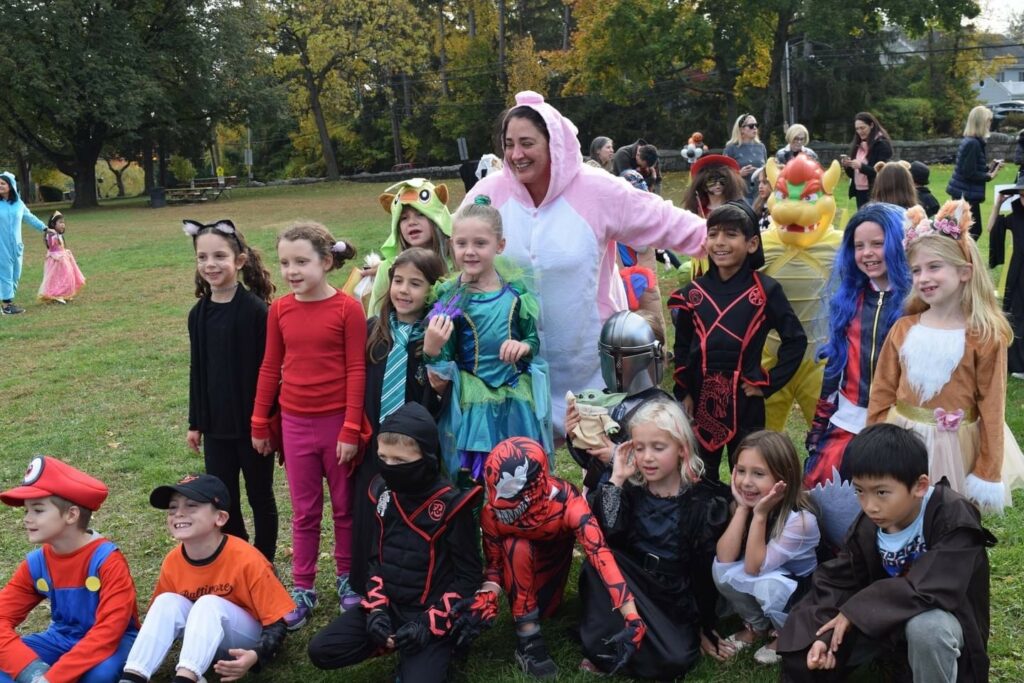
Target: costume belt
927 415
653 564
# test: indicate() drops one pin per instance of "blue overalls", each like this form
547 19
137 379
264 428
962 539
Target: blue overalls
73 612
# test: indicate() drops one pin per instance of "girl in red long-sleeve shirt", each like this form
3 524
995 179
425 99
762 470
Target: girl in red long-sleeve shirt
314 365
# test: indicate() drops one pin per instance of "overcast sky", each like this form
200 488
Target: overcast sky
995 14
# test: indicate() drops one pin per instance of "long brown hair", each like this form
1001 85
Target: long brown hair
695 195
254 274
784 464
378 341
894 184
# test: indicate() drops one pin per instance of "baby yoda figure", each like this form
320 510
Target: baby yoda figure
595 421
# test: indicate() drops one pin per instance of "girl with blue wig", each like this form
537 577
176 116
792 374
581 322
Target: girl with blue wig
867 290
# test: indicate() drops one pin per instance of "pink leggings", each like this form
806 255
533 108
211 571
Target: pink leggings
310 446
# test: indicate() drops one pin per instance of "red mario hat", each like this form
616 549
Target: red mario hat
48 476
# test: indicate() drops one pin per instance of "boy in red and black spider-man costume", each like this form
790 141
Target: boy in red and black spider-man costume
722 320
530 522
424 558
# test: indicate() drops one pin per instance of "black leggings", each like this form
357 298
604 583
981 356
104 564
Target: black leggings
226 459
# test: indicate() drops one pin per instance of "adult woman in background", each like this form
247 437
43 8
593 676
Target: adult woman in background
561 221
972 170
747 149
796 141
870 145
601 152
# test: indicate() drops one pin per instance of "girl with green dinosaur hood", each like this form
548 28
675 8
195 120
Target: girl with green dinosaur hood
419 218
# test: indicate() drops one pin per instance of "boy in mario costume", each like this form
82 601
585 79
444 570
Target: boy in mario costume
94 618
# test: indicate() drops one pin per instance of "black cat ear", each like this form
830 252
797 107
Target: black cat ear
224 225
191 227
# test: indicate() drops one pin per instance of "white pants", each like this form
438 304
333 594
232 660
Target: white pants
211 626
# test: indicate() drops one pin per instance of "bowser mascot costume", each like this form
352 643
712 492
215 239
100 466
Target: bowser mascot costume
799 251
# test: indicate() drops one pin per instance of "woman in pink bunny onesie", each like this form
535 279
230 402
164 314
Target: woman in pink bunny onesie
561 221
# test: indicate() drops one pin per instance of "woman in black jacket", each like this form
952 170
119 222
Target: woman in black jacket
972 171
870 145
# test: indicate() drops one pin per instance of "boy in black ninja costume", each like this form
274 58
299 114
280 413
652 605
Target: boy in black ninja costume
424 559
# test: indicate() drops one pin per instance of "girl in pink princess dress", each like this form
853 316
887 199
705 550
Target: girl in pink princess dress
61 277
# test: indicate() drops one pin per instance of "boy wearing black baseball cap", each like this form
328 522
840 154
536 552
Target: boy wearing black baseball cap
427 558
215 592
93 616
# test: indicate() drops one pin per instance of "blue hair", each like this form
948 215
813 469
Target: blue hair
848 282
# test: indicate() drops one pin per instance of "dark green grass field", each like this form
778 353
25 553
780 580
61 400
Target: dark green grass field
103 383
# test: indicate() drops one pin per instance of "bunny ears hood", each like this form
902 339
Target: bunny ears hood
422 195
563 148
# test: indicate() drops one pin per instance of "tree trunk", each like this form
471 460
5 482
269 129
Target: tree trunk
471 23
502 75
396 130
775 78
442 52
330 161
118 175
161 163
24 177
84 172
146 158
406 97
566 25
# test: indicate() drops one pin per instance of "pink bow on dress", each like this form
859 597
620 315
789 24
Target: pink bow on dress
948 421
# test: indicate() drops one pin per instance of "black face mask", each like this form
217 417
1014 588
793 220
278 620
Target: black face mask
409 477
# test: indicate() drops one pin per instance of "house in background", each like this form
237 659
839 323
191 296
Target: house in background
1008 83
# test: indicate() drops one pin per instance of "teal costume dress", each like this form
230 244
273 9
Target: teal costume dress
496 400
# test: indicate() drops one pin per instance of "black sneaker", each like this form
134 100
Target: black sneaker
533 658
11 309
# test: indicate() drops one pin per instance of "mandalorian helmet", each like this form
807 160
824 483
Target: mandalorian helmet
631 358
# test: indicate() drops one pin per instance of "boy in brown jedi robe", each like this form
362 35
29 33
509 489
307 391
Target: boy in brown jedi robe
914 575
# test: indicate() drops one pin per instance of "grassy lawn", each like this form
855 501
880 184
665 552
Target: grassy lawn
103 383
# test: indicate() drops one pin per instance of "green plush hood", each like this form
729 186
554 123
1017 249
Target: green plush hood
422 195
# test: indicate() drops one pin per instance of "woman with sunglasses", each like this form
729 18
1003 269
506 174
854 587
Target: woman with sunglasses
870 145
796 143
747 149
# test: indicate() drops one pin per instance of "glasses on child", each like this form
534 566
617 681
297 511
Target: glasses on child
712 182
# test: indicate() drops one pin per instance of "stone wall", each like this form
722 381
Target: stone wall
937 151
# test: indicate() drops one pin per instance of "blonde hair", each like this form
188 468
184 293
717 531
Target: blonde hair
978 122
797 129
985 318
482 212
668 417
735 139
780 456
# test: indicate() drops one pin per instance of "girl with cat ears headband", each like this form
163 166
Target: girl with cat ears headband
253 273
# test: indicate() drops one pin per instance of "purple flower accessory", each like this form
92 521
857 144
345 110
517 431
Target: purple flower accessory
339 247
449 308
948 421
947 226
